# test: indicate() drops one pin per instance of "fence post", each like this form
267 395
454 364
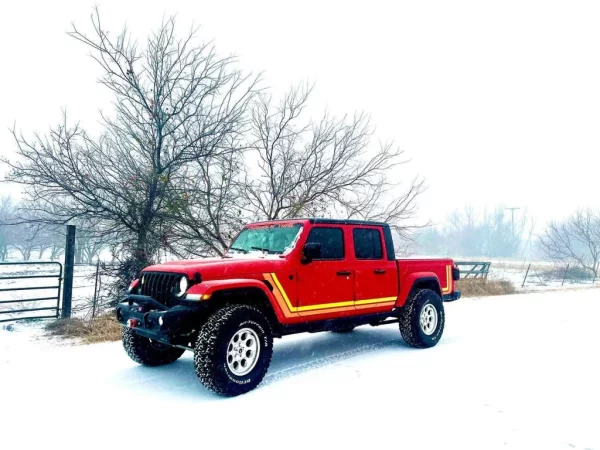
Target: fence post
565 275
96 289
68 283
526 273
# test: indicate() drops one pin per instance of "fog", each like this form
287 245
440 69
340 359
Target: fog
495 104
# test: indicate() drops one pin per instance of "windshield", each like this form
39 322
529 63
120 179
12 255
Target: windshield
271 239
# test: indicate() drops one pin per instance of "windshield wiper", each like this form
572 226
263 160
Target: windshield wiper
262 249
237 249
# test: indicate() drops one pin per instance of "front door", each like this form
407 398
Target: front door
326 284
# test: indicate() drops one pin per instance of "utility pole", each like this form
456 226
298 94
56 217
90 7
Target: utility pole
512 215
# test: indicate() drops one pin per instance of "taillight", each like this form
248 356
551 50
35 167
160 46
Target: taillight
455 273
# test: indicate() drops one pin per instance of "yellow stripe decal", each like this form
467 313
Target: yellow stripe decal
448 279
375 300
326 305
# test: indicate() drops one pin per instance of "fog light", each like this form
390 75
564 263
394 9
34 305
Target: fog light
160 320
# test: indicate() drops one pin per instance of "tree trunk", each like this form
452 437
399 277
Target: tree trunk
78 253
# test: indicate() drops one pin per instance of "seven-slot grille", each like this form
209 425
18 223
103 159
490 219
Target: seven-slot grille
160 286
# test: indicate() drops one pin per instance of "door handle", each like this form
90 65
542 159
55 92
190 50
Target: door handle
379 271
344 273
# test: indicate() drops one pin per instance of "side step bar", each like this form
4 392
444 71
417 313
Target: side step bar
385 322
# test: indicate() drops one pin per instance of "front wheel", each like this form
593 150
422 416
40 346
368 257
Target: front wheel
234 350
147 352
422 319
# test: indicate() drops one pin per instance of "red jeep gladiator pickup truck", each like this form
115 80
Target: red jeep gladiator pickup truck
279 278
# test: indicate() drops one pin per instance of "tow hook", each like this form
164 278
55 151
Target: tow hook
133 323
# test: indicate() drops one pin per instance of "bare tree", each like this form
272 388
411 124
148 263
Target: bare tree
56 242
576 239
176 102
208 208
324 167
27 239
88 241
7 214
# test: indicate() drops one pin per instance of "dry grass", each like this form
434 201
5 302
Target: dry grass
473 287
574 273
101 329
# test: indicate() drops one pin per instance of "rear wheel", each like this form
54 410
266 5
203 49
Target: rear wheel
234 350
148 352
422 319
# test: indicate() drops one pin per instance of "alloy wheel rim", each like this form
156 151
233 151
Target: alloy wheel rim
243 351
428 319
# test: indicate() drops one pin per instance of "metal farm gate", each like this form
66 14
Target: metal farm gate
42 282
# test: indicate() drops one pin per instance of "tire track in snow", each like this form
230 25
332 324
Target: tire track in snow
298 369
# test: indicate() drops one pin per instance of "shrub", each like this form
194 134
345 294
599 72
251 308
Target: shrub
101 329
479 287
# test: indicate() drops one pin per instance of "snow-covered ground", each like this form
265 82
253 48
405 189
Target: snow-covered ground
542 275
511 372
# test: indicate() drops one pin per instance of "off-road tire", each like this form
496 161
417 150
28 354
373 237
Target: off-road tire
210 354
146 352
410 327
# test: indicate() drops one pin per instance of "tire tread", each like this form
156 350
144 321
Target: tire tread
206 357
140 350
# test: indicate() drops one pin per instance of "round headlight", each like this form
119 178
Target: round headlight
183 285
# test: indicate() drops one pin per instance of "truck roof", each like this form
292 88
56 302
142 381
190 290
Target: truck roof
328 221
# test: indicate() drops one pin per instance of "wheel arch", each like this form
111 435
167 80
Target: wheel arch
242 292
248 295
418 281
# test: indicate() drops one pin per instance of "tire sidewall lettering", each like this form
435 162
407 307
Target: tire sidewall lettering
258 327
234 379
248 323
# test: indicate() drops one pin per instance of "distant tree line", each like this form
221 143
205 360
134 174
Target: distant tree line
472 233
25 237
467 233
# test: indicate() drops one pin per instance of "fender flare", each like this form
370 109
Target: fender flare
414 278
207 289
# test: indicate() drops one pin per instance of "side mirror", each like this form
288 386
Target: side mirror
312 250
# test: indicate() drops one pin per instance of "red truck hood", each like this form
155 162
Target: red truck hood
212 268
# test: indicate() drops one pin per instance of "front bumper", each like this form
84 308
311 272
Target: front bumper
452 297
170 326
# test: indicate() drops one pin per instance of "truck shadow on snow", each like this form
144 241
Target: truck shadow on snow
297 356
291 356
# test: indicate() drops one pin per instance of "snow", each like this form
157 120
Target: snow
514 372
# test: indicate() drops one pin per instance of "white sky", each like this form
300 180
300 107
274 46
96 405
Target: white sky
495 102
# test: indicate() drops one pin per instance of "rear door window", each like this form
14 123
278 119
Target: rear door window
367 243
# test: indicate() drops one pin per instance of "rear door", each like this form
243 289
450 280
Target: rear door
326 284
376 277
